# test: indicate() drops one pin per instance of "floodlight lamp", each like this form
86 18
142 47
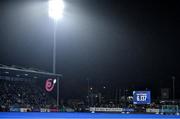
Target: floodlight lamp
56 8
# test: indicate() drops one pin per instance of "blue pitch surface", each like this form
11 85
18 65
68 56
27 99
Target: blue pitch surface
38 115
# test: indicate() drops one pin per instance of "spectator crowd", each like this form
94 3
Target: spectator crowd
26 94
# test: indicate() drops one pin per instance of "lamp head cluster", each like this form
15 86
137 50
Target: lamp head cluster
56 9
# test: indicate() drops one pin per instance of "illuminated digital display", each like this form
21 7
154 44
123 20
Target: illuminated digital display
141 97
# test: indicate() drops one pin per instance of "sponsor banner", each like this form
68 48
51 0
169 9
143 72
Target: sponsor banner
25 109
149 110
54 110
44 110
101 109
69 110
36 110
14 109
128 110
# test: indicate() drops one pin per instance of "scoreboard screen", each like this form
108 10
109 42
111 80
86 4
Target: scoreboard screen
141 97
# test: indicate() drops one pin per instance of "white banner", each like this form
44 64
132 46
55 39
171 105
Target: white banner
25 109
101 109
44 110
149 110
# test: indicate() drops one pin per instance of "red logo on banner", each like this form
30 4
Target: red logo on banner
49 85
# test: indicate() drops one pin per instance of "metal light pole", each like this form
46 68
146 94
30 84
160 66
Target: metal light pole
88 91
173 78
56 8
54 47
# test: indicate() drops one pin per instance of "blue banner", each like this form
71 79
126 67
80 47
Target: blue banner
14 109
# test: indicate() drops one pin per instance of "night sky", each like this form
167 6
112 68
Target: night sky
129 44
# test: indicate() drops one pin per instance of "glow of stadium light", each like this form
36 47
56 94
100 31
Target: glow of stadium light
54 81
56 8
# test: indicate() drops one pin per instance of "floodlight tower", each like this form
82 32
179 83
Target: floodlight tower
56 8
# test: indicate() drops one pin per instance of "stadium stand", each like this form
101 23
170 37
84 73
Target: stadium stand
24 94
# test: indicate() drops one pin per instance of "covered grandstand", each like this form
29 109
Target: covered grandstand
24 89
